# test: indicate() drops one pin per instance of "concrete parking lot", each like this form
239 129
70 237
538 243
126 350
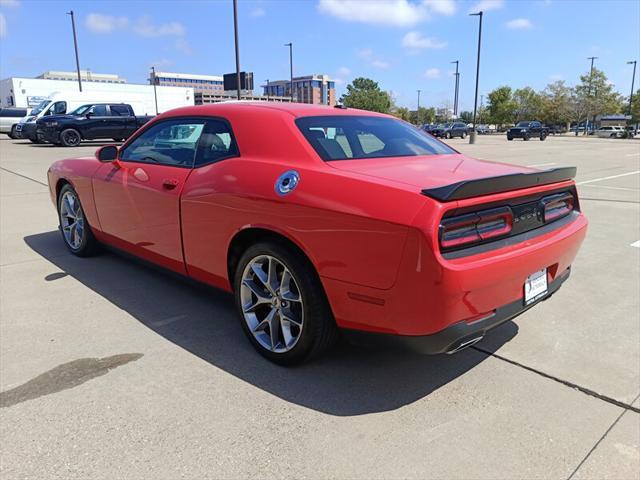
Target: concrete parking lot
111 369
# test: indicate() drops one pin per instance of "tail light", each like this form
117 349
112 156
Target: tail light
556 206
475 227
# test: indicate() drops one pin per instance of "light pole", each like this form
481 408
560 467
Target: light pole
235 31
586 125
290 45
455 93
472 135
481 109
267 89
633 78
418 99
75 46
155 82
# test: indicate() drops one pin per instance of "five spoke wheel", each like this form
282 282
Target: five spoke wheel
72 220
272 305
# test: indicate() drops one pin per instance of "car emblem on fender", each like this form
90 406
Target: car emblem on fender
287 182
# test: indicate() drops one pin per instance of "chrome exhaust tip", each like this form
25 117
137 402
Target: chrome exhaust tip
464 344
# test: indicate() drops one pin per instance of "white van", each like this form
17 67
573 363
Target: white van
66 102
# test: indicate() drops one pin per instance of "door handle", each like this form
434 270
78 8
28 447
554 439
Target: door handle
169 183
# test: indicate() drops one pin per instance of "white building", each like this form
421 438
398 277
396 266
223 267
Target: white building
85 76
29 92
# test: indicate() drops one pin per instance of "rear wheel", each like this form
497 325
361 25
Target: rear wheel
282 306
447 135
463 135
75 230
70 137
543 137
12 134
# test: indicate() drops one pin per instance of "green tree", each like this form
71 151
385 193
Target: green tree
402 113
466 116
557 105
501 107
528 104
635 107
365 94
423 115
594 95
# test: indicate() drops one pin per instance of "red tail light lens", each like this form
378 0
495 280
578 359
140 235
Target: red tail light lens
475 227
557 206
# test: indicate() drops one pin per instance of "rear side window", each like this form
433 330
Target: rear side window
216 143
119 110
347 137
172 142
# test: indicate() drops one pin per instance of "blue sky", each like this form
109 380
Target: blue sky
403 44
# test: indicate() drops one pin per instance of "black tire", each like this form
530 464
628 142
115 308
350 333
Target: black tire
447 135
319 330
543 137
70 137
509 138
12 134
463 135
88 245
526 138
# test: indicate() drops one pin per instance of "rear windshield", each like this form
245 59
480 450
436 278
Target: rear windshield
356 137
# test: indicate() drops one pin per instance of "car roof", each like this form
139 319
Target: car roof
246 107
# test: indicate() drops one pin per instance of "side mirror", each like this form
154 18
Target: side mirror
108 153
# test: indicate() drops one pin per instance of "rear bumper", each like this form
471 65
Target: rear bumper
456 336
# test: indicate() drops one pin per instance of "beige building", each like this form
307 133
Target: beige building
316 89
206 84
85 76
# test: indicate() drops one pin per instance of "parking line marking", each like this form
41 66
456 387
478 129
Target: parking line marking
636 244
541 164
608 178
614 188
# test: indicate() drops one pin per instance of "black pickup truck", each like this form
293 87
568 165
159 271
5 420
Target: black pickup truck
526 130
90 122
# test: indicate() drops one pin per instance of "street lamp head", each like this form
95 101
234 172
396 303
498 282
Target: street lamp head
288 44
476 14
631 62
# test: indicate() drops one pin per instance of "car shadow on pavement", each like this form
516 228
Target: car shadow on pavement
346 381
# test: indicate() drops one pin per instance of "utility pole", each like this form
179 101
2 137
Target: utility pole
267 89
455 93
155 82
75 46
586 125
481 109
472 136
290 45
633 78
419 99
235 30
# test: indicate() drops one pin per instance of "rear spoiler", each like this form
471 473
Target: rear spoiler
503 183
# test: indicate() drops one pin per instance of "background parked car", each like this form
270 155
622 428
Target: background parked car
484 129
450 130
8 119
527 130
556 129
610 132
89 122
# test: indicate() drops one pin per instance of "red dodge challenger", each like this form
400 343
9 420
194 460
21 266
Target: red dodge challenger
324 220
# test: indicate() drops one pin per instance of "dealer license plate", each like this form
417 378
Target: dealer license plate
535 287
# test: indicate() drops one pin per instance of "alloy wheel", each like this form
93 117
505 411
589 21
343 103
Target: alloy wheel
72 220
71 138
272 304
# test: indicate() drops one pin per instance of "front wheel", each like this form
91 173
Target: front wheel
510 138
526 138
448 135
70 137
543 138
463 135
282 306
75 230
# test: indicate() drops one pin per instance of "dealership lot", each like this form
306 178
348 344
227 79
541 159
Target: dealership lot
109 367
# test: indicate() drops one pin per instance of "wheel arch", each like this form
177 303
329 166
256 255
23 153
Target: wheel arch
251 235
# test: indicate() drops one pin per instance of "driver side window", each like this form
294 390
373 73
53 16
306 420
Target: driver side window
172 142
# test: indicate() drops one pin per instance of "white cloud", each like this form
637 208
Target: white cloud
99 23
417 41
344 72
445 7
365 53
380 64
3 26
486 5
9 3
432 73
258 12
396 13
145 28
519 24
